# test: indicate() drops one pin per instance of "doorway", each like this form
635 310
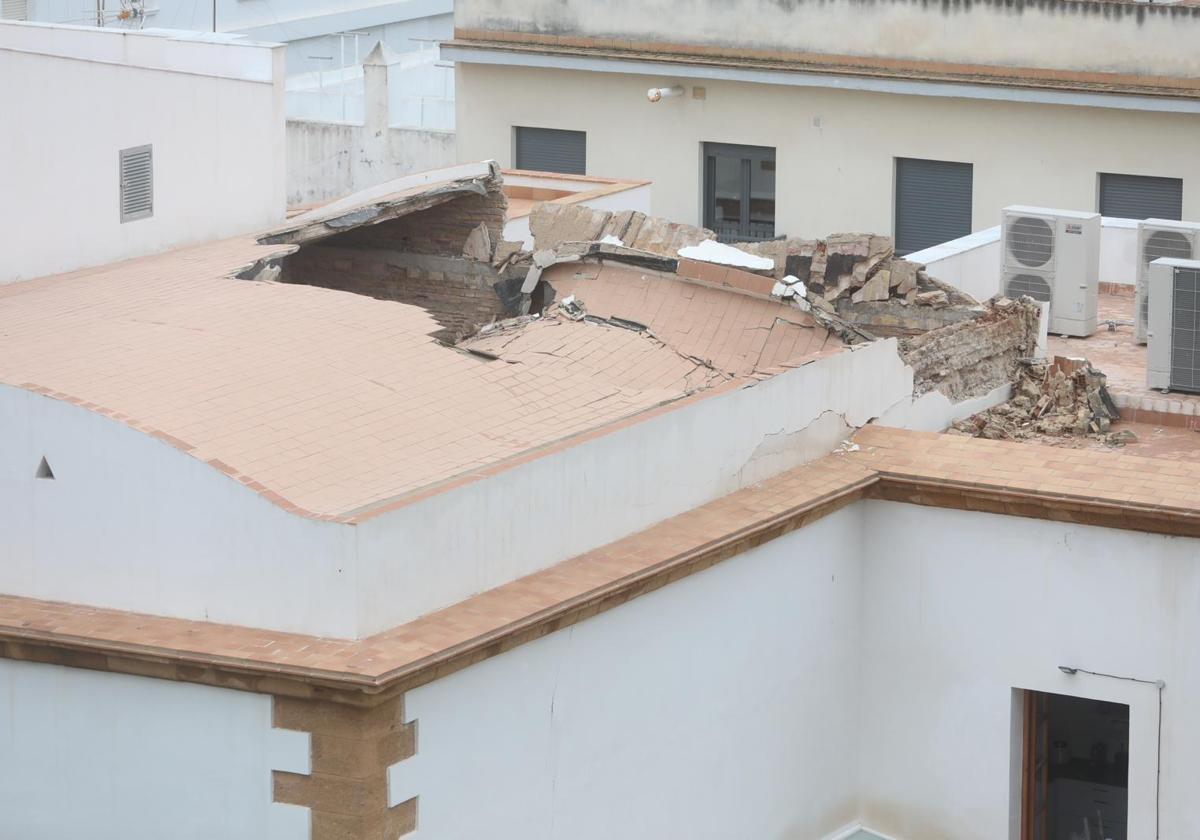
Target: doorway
1075 768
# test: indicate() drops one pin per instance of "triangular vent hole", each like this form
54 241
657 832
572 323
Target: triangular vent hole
44 471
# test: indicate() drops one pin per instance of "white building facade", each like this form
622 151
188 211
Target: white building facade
118 144
803 119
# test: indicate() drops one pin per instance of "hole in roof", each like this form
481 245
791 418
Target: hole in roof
43 470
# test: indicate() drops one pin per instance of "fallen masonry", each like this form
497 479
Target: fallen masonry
1060 398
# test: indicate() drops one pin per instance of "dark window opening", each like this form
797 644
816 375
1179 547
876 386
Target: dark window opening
1075 768
551 150
1140 197
933 203
739 192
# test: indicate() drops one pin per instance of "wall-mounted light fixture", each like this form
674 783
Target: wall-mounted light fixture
658 94
1160 685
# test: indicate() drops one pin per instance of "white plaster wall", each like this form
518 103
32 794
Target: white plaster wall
132 523
114 757
723 705
1118 251
970 263
556 506
330 160
835 148
215 120
1061 35
960 608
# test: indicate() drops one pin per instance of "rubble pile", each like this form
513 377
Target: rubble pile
1060 398
857 268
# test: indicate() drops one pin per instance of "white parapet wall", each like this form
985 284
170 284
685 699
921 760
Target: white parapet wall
116 757
972 262
210 107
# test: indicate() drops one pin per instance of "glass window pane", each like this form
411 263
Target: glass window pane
727 192
762 199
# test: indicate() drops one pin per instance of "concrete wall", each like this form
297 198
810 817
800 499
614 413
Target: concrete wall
212 111
133 523
961 608
835 149
331 160
1060 34
114 757
704 710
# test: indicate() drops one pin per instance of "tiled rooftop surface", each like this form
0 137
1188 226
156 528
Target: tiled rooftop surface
1080 485
329 402
1123 361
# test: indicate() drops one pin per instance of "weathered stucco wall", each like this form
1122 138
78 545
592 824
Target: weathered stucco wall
331 160
1060 34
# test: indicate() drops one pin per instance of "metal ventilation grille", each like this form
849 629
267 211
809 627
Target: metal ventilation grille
1028 284
1161 243
1185 327
14 9
137 183
1031 241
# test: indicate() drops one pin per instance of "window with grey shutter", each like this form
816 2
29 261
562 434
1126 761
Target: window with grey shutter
137 183
933 202
551 150
14 9
1140 197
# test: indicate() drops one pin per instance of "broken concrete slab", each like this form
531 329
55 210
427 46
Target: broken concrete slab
874 289
506 251
478 246
553 224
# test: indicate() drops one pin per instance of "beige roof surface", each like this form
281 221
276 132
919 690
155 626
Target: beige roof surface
331 403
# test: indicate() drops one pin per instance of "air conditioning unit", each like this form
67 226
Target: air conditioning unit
1173 325
1160 238
1053 256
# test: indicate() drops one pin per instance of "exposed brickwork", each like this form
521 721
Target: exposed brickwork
352 748
441 230
454 290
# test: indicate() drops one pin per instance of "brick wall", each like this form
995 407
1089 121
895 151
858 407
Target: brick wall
352 748
441 230
456 291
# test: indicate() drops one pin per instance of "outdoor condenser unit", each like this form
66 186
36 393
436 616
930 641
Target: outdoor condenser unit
1160 238
1173 325
1053 256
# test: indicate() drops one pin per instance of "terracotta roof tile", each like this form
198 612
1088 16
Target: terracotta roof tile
329 403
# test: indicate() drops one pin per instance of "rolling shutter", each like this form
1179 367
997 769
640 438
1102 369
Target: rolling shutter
933 203
552 150
137 183
1141 197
